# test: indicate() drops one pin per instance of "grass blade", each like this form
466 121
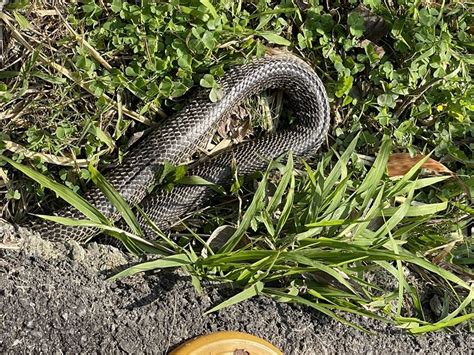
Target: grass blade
249 292
418 210
117 232
62 191
116 199
288 207
335 173
308 303
280 190
374 176
163 263
441 325
252 210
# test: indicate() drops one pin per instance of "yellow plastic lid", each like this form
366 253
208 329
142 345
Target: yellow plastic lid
226 343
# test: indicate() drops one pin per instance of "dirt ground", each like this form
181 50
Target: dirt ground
54 299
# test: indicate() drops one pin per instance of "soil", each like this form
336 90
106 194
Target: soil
54 298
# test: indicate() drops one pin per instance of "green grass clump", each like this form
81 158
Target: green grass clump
76 84
320 238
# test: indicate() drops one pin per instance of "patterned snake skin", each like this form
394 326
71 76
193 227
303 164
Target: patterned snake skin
178 137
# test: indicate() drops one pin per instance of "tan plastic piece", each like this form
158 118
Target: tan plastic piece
227 343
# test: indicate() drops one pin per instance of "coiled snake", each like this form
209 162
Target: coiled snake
178 137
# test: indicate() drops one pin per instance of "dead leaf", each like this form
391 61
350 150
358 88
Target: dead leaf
401 163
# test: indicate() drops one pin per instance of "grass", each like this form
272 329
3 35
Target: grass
314 242
336 234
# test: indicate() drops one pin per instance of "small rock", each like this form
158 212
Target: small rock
76 252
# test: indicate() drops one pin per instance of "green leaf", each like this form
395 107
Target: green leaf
215 94
185 62
417 185
13 195
116 199
139 245
131 71
208 81
441 325
405 179
335 173
282 186
163 263
426 18
104 137
49 78
319 307
387 100
116 5
373 4
356 24
165 87
375 174
210 8
208 40
199 181
344 86
22 21
275 39
178 89
249 292
418 210
16 4
288 207
302 260
332 223
6 74
252 210
437 270
62 191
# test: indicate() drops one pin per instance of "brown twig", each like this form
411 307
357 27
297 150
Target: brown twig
48 158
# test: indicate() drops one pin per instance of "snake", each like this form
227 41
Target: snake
177 138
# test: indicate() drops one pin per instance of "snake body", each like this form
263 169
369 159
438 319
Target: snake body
178 137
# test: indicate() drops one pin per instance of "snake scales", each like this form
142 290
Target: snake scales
178 137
